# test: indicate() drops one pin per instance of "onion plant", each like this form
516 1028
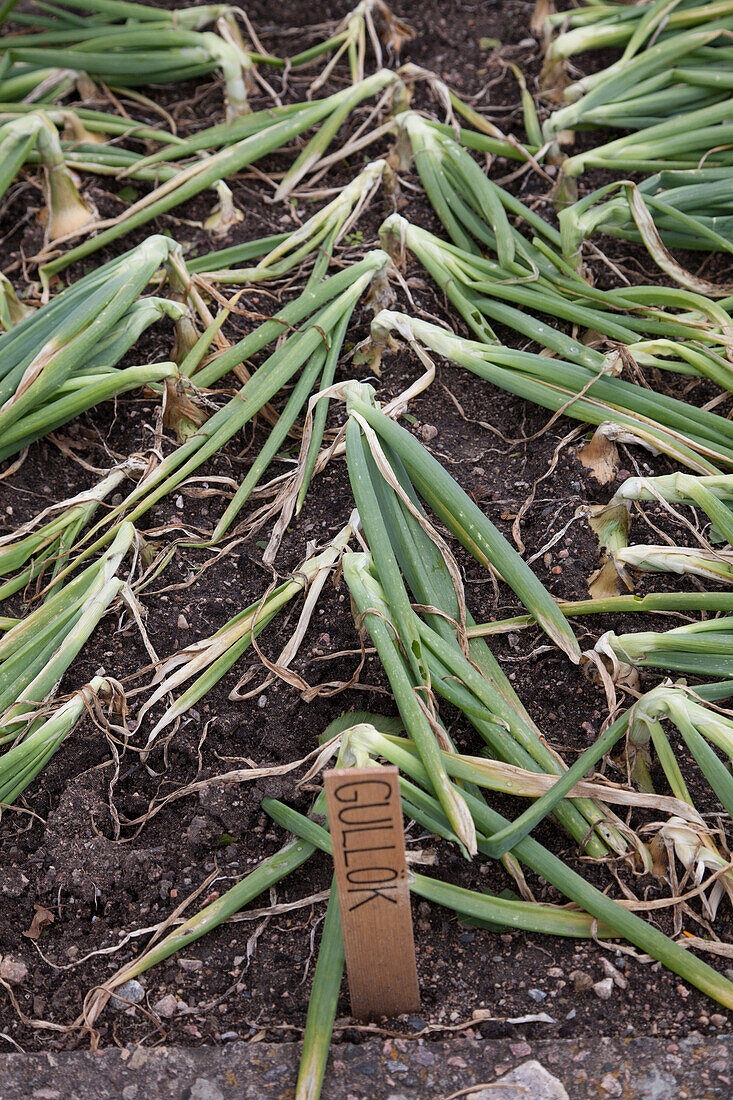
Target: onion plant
320 232
691 210
507 736
697 438
134 53
474 211
425 807
681 331
203 172
386 467
36 652
210 658
669 329
454 507
65 210
48 728
370 21
699 727
466 903
40 548
713 565
592 26
324 306
697 649
672 96
652 602
12 308
714 495
62 359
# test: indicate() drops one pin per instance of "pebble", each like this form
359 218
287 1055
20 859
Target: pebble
227 1036
581 982
129 993
537 994
603 989
13 970
555 972
12 882
202 1089
616 977
428 432
166 1007
182 622
190 964
531 1079
717 1020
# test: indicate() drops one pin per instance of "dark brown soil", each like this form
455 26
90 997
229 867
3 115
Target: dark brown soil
248 979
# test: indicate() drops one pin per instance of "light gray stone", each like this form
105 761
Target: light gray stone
13 970
167 1006
203 1089
531 1079
129 993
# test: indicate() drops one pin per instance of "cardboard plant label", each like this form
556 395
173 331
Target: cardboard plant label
374 897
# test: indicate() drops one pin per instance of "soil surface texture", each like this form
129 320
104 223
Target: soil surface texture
93 842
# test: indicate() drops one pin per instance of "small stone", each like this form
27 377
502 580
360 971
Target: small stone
555 972
205 1090
166 1007
227 1036
129 993
531 1079
428 432
581 982
610 1085
537 994
129 1092
13 970
262 701
603 989
12 882
611 972
182 622
190 965
717 1020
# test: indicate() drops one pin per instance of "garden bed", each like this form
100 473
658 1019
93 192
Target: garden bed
250 979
